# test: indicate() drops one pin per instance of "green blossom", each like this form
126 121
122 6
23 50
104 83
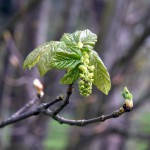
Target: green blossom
86 76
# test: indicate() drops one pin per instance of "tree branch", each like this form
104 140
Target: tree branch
25 107
18 116
84 122
30 113
66 101
44 108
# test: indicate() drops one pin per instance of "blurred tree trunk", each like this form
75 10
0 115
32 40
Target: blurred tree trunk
22 95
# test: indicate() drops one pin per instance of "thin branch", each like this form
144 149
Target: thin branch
25 107
84 122
66 101
30 113
18 116
44 108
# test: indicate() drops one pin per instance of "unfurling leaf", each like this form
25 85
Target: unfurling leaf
127 94
45 62
34 57
85 38
101 75
51 55
65 59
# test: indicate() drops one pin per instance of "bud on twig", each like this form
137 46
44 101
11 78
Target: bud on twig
39 87
128 105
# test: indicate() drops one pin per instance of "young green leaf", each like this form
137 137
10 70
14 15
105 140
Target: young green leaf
65 59
71 76
34 57
52 55
61 59
101 75
45 62
85 37
43 66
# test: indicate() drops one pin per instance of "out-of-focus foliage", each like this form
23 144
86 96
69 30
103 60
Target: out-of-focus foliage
57 137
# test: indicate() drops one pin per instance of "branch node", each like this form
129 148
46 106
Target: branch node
116 114
60 122
121 111
60 97
126 108
70 89
102 118
82 123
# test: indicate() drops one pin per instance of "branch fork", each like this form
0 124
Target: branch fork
45 109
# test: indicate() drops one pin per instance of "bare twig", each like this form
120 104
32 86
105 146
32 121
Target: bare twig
25 107
66 101
83 122
30 113
44 108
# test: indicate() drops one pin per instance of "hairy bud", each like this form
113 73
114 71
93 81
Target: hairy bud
39 87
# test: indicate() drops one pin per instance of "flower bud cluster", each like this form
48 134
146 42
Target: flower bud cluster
86 75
